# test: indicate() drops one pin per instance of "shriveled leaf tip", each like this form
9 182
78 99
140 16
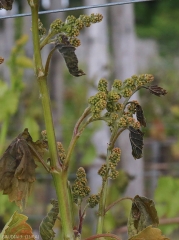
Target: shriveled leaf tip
158 91
6 4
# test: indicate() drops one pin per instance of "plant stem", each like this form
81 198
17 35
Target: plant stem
102 202
76 135
59 176
117 201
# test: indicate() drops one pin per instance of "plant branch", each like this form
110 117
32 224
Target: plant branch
39 157
117 201
59 177
103 197
115 137
45 41
48 61
76 135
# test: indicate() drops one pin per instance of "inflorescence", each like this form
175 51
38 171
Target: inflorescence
71 27
110 170
106 104
80 189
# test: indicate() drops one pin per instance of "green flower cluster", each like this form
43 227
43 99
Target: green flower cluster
98 103
61 151
56 26
80 188
115 114
72 26
93 200
132 107
114 158
125 121
41 28
103 171
110 171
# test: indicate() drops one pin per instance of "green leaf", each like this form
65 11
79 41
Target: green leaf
142 215
17 228
46 226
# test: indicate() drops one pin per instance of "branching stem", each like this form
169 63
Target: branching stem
117 201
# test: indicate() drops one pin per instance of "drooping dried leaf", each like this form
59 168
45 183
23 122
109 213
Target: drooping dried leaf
149 233
156 90
136 139
1 60
17 228
68 53
6 4
17 168
142 215
47 224
140 115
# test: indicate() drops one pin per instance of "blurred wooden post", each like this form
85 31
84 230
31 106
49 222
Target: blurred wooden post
97 63
124 54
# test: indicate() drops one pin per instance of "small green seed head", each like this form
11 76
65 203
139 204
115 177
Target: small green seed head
113 96
117 84
102 85
56 26
103 170
93 200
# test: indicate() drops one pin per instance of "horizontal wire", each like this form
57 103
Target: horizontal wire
76 8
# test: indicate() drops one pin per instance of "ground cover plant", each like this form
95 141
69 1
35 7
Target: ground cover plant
111 105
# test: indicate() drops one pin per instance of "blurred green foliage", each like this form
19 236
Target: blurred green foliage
75 101
159 20
166 199
10 93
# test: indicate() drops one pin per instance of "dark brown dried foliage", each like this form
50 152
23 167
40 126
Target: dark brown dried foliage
6 4
136 139
156 90
17 168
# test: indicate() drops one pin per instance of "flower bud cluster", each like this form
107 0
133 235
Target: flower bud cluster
56 26
72 26
109 101
44 135
132 107
93 200
144 79
61 151
103 171
127 120
114 158
41 29
110 171
80 188
103 85
98 103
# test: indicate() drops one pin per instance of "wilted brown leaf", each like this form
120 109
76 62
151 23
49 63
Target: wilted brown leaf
149 233
140 115
156 90
142 215
136 139
17 228
6 4
17 168
68 53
